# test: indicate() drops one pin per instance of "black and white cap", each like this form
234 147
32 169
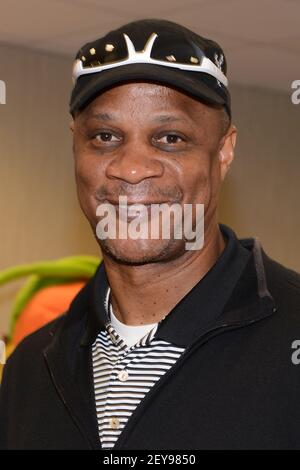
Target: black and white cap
156 50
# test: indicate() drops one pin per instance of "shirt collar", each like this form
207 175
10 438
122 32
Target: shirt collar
201 306
115 337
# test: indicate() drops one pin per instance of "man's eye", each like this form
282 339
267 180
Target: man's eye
171 139
105 137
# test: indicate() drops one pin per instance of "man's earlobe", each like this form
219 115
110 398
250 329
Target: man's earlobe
71 125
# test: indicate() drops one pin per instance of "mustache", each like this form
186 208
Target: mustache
144 191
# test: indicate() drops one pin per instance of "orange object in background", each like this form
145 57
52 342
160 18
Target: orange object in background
46 305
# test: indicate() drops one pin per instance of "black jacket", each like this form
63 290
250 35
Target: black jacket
234 387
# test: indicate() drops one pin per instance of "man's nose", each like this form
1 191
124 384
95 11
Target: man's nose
134 164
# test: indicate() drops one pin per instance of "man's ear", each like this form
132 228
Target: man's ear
226 153
71 125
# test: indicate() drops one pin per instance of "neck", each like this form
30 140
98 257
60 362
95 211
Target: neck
143 294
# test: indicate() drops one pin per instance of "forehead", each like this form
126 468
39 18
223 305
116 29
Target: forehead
146 97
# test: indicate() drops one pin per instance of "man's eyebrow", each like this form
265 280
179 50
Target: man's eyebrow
168 118
102 116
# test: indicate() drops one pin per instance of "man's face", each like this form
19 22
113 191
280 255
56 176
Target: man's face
152 144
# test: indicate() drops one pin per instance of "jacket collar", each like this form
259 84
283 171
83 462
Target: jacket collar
233 293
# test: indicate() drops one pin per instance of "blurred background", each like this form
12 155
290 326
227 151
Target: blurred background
40 215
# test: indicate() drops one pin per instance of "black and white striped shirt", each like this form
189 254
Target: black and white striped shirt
124 374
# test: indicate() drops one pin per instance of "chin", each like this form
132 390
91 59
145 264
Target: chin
139 252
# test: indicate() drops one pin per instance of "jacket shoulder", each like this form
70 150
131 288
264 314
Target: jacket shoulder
34 343
281 274
283 283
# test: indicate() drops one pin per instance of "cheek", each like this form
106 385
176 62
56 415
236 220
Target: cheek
89 176
197 180
89 171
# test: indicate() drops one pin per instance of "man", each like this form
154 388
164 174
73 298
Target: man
166 347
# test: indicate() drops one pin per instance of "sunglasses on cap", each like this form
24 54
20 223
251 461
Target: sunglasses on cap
162 49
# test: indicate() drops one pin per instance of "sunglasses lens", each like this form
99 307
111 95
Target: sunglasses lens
103 52
176 48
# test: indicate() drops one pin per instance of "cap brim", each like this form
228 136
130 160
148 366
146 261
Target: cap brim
195 83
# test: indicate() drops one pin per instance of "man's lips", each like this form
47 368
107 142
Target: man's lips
130 210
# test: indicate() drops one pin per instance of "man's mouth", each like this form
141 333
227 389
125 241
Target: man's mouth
128 210
136 210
